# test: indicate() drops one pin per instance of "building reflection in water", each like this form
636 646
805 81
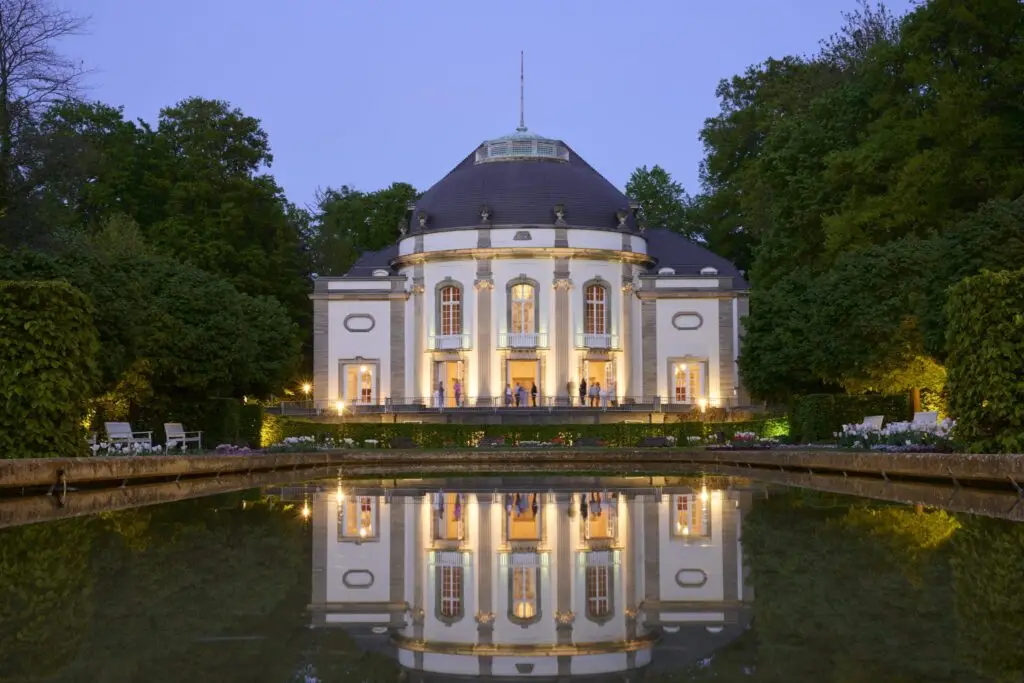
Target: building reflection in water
572 577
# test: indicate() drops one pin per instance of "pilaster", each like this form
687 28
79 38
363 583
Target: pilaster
726 357
563 329
321 344
321 510
628 302
484 340
564 616
730 547
418 330
649 348
485 567
397 342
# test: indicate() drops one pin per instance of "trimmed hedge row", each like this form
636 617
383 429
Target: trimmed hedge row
985 339
622 435
815 418
222 421
49 347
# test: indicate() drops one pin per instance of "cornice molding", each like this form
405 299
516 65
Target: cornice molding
546 253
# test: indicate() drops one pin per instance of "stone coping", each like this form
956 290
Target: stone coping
37 472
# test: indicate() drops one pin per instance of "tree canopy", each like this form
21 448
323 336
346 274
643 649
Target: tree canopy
862 182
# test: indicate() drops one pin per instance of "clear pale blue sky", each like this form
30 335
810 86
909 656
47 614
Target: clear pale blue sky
367 92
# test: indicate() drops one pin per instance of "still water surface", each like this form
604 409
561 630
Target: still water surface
536 579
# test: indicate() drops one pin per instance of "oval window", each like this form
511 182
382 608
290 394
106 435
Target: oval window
687 321
359 322
691 578
357 578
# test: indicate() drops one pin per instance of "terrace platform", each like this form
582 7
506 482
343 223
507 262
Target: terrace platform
645 412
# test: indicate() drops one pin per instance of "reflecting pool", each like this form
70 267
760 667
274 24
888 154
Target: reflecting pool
541 578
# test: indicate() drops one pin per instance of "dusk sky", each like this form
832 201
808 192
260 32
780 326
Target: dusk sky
369 92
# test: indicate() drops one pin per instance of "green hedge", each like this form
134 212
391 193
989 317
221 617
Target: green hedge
985 340
250 424
48 369
222 420
815 418
276 429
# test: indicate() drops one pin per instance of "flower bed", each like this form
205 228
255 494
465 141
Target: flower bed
899 437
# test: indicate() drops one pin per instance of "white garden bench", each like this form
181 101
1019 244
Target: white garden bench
927 419
121 432
177 436
873 422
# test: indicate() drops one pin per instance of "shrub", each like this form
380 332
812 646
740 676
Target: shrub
48 368
818 417
985 339
250 418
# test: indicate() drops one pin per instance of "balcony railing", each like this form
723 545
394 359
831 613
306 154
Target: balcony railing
448 342
522 340
585 340
469 403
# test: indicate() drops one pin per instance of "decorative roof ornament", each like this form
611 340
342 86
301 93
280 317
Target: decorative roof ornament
522 90
403 226
485 213
559 210
623 216
522 144
422 216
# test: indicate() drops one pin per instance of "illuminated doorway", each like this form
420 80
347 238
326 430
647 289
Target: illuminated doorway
688 382
524 373
360 383
600 372
447 373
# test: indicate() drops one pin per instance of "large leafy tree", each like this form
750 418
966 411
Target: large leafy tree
348 222
852 178
663 201
33 75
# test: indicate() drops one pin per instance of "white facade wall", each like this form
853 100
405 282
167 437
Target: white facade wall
702 343
371 556
375 345
677 554
372 345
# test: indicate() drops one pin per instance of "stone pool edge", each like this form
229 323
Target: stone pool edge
41 472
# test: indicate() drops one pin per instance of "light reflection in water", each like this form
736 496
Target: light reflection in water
553 579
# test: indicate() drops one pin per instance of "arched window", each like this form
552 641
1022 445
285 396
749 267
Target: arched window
451 310
598 591
451 592
595 314
524 592
523 300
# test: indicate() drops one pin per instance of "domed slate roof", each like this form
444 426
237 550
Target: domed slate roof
523 190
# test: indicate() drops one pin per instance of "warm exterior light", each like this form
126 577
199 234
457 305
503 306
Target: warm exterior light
305 511
362 368
703 403
704 495
307 387
340 405
362 532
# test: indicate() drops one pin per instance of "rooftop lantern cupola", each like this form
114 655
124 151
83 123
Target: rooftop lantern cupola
522 144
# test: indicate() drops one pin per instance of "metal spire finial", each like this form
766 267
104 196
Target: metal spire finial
522 116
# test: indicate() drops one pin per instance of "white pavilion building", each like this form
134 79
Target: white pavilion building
525 266
541 582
